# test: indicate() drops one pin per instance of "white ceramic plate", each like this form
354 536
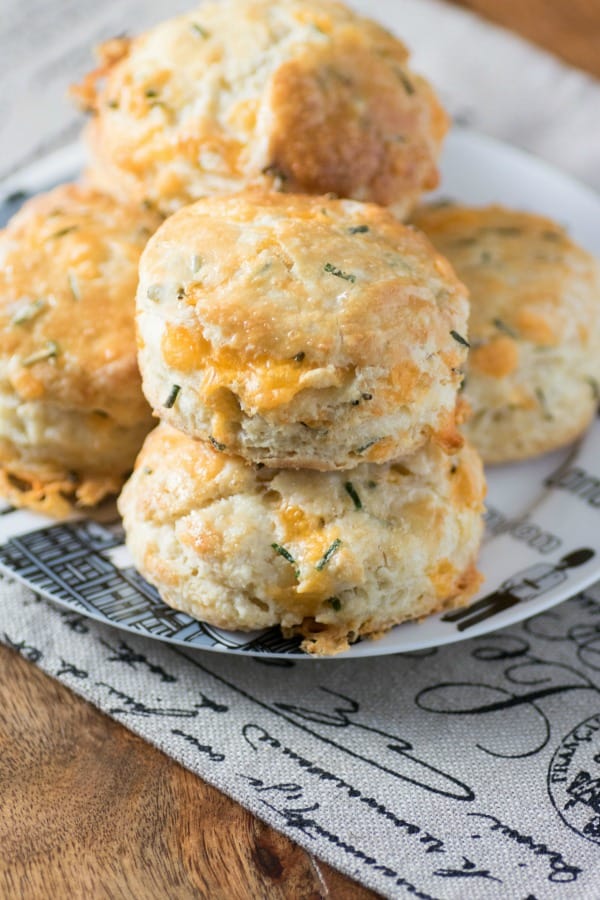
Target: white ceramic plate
542 543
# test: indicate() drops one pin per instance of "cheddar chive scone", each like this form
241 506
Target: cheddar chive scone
72 412
299 95
300 331
329 555
533 371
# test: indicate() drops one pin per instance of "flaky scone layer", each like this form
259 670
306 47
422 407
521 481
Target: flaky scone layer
300 331
533 370
70 390
333 555
299 95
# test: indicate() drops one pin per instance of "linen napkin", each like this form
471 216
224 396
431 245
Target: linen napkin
466 771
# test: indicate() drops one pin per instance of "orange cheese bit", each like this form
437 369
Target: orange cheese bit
497 358
183 349
535 327
443 578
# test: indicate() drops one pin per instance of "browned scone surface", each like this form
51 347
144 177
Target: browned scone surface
300 331
333 555
533 370
301 95
72 413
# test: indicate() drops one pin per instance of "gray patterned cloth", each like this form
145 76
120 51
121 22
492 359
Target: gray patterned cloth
468 771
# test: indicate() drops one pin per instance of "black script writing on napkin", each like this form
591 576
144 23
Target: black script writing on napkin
389 753
261 741
522 682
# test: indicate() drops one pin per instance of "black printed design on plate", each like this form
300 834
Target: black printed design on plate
72 563
524 585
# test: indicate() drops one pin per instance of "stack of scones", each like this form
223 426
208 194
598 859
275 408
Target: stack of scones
304 353
303 348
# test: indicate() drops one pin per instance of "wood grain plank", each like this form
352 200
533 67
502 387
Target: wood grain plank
568 28
88 809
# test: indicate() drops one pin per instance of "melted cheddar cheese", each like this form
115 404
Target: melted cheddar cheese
260 381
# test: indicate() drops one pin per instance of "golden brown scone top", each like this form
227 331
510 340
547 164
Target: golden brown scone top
68 275
292 290
533 370
304 95
528 281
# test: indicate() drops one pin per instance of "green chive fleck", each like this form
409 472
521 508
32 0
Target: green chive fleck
335 603
406 82
170 401
358 229
63 231
543 403
262 269
595 387
217 444
315 428
367 445
113 104
49 351
288 558
502 326
151 93
505 230
154 293
353 495
147 470
509 230
333 270
331 551
199 30
28 313
74 285
458 337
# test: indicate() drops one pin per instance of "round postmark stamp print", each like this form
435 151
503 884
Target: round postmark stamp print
574 779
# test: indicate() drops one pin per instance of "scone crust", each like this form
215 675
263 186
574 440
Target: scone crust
331 555
533 371
70 391
301 95
300 331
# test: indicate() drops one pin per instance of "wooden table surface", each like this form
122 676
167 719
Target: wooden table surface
88 809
